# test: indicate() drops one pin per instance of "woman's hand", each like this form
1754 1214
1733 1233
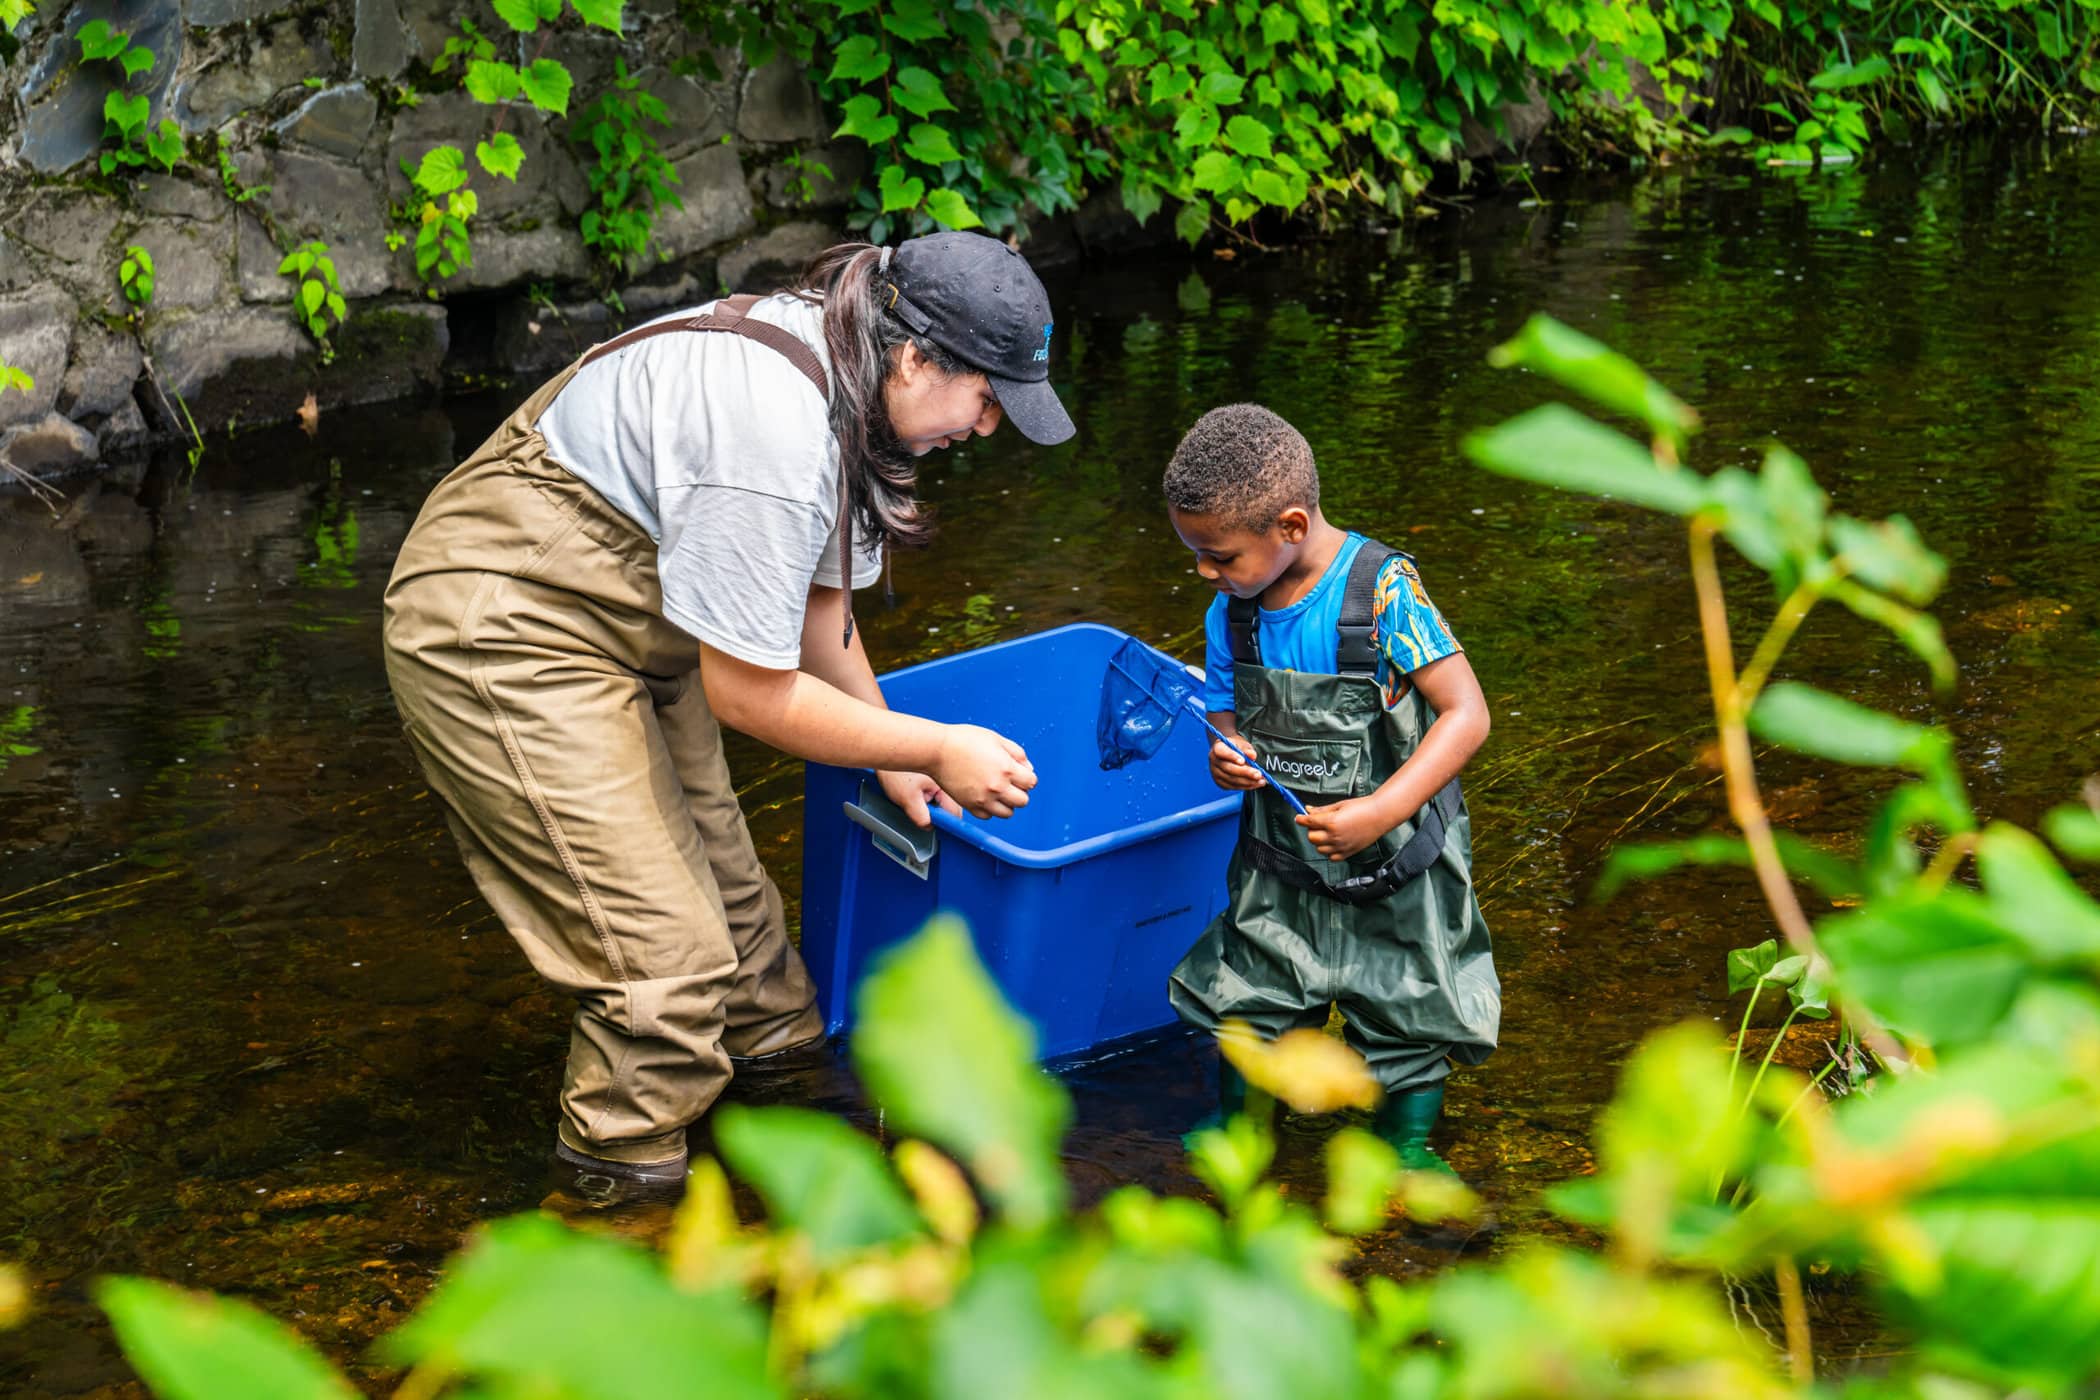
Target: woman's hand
1341 829
1229 770
986 772
913 792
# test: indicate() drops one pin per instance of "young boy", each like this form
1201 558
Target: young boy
1330 667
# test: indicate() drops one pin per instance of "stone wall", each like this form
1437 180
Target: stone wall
320 102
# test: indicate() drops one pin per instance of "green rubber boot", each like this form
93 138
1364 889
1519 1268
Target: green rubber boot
1232 1098
1406 1121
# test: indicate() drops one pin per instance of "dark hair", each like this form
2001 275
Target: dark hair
863 338
1244 465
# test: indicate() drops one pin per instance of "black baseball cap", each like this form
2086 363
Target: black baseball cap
980 301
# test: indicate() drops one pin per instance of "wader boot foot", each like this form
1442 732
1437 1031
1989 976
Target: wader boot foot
599 1183
1232 1098
1405 1120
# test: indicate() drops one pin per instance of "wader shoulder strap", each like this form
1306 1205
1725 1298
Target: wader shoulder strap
1242 628
1356 650
731 314
1421 851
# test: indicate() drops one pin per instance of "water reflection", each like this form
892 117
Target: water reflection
262 1037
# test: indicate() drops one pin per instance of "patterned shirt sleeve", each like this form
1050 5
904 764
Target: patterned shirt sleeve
1410 632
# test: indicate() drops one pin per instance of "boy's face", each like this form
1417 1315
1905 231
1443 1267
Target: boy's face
1236 560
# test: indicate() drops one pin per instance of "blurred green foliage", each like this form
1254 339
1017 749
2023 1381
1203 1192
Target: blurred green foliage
1960 1182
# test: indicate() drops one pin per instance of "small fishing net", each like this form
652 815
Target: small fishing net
1141 697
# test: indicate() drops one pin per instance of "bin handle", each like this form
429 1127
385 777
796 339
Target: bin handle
893 833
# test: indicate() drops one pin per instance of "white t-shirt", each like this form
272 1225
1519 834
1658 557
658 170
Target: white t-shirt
722 450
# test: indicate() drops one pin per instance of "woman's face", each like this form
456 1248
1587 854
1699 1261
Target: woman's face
930 409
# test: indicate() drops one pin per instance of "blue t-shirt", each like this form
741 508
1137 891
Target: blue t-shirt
1410 633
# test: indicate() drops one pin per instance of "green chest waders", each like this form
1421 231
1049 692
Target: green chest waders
1392 936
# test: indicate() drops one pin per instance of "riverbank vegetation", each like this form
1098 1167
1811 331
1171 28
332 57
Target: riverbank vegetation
1227 117
1944 1162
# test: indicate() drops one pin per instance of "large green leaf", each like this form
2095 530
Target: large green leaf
1889 556
1599 373
818 1176
1005 1335
950 1061
2009 1141
1938 967
541 1309
1812 721
191 1346
1832 875
2075 830
2031 895
1919 631
1556 446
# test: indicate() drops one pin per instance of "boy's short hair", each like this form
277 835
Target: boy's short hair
1244 465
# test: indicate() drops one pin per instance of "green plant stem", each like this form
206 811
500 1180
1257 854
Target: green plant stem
1793 1307
1740 771
1750 1094
1946 860
1787 621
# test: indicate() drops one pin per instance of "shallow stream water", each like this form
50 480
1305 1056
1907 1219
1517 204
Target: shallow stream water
261 1036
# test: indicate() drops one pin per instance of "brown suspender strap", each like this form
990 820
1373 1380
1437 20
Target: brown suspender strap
730 314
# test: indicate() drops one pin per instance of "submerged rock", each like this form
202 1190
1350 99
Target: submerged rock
49 446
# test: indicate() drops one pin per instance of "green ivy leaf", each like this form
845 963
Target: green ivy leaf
442 170
913 20
866 120
1192 221
600 14
521 15
492 82
931 144
859 60
1141 198
1270 188
164 143
546 84
500 155
1197 126
919 92
1248 136
125 113
950 209
898 190
1221 88
818 1176
1215 173
98 41
135 61
311 295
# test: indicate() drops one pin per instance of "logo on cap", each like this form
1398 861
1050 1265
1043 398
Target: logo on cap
1044 353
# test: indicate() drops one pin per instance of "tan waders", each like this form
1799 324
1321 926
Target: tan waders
562 722
1393 935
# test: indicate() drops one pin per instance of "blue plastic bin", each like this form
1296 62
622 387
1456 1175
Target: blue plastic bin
1081 904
